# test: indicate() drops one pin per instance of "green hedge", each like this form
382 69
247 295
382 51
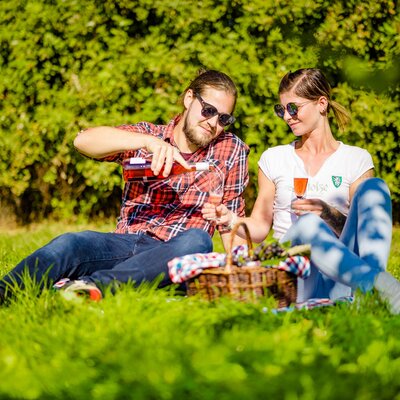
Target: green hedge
68 65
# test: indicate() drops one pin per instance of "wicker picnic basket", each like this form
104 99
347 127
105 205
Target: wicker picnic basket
245 283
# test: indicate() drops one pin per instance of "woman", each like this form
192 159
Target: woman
346 213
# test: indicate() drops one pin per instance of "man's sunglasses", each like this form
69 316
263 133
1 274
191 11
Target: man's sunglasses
209 111
292 109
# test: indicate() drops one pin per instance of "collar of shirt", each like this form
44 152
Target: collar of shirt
169 130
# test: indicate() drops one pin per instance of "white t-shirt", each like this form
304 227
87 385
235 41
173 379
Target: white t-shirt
331 184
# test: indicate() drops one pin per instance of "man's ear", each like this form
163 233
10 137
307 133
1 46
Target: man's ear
188 98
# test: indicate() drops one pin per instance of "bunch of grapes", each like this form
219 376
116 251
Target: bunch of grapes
268 251
242 260
272 251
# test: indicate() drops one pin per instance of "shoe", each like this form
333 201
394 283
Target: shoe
389 289
80 288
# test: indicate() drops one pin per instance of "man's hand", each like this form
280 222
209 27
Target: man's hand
220 214
164 155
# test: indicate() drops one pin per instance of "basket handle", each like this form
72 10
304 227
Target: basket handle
229 263
301 249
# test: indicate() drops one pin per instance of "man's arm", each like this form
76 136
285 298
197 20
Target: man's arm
104 141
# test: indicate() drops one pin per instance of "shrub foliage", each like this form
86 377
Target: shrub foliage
68 65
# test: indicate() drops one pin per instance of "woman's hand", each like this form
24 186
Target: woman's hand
304 206
333 217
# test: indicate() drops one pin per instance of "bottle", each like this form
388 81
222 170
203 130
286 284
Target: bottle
139 169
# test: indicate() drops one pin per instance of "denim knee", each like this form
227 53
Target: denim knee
69 240
309 219
308 224
194 240
306 228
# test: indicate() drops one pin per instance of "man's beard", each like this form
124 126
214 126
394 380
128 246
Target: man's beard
193 138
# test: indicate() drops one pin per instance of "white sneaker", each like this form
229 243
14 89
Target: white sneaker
80 288
389 289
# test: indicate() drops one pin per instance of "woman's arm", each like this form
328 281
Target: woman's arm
260 220
355 184
333 217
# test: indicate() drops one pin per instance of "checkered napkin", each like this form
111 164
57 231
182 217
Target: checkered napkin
186 267
315 303
298 265
183 268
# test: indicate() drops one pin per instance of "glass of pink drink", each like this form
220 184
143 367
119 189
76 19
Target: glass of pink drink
216 189
300 186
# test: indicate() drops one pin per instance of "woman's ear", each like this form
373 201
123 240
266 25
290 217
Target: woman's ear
323 104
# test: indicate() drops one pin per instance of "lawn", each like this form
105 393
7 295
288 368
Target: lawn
153 344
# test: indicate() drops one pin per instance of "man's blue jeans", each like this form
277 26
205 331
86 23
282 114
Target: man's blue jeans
352 261
106 258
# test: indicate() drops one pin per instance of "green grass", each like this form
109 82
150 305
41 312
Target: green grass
151 344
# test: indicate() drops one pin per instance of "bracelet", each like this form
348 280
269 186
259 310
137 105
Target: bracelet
233 221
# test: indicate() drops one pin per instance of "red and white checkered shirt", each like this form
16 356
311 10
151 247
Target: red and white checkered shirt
164 207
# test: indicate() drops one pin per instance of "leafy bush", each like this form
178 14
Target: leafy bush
70 65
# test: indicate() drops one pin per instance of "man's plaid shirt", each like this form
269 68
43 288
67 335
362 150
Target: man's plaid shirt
165 207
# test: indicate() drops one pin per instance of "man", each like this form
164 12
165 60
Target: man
159 219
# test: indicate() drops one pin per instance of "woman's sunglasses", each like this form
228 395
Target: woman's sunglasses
209 111
292 109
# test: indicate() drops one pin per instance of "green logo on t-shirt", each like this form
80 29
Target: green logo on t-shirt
337 181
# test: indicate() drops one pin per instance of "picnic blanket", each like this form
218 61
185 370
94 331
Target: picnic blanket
191 265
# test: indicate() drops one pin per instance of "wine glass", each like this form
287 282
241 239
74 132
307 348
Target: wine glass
215 188
300 186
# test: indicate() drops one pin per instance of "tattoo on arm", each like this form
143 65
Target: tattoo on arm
334 218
